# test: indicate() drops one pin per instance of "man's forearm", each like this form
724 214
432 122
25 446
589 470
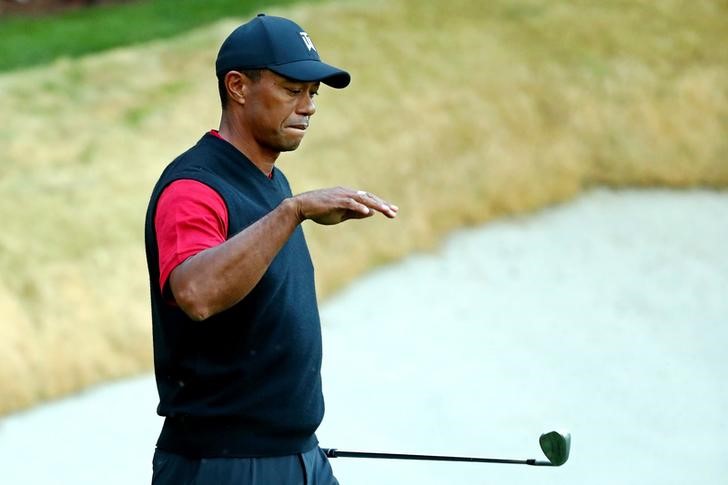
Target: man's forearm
219 277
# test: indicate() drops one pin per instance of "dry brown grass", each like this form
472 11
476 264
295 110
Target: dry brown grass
459 112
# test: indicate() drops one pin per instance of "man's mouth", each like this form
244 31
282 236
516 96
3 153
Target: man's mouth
301 124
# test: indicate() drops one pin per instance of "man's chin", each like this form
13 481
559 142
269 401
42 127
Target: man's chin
283 144
289 147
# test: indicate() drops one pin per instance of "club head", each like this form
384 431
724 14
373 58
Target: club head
556 446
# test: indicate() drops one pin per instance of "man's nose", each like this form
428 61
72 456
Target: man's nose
307 106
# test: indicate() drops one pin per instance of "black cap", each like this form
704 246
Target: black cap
280 45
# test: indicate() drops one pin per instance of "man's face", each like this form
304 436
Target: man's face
277 111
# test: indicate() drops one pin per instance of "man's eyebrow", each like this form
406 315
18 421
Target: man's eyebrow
287 83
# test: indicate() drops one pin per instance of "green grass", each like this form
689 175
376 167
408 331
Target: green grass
31 41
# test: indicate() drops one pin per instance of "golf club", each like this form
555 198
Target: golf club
555 445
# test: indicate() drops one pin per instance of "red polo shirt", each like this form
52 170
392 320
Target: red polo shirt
190 218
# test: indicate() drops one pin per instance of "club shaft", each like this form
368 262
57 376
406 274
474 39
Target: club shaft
334 453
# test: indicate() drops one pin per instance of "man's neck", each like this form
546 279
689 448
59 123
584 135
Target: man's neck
261 158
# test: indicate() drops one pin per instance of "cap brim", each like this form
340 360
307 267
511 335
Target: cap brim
311 70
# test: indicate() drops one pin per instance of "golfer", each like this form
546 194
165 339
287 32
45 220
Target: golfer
237 337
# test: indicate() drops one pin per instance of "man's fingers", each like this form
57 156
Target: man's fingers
331 206
356 206
374 202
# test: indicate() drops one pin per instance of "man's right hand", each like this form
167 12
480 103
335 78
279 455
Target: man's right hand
338 204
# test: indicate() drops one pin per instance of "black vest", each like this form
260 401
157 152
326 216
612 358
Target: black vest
244 382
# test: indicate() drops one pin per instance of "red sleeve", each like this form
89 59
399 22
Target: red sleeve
190 218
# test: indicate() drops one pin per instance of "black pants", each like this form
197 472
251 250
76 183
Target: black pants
310 468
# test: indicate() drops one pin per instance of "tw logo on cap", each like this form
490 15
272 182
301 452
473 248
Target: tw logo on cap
307 40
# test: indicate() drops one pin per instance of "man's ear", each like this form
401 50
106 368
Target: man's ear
236 84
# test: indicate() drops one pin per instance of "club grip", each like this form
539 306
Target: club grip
330 452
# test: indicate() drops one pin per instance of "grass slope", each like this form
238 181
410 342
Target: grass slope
30 41
459 112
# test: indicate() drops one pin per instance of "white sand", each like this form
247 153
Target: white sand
607 317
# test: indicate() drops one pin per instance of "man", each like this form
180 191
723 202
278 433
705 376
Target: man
237 339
